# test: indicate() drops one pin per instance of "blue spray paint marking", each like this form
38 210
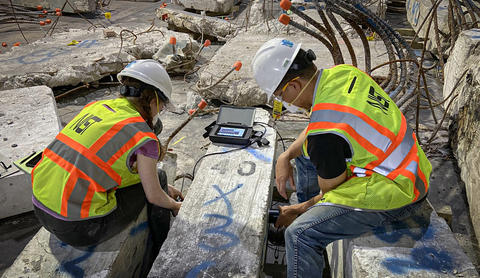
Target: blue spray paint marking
44 55
224 197
72 268
198 269
234 240
140 227
258 155
219 230
425 258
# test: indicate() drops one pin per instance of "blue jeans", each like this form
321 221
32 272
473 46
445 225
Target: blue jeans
307 237
306 179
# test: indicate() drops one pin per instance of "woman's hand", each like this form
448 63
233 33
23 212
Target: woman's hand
284 173
175 193
287 215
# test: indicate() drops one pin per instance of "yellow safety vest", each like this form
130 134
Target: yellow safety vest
388 168
89 159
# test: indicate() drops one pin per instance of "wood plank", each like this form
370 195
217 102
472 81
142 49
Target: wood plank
220 230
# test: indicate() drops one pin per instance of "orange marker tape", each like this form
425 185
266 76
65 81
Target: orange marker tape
202 104
285 4
237 65
284 19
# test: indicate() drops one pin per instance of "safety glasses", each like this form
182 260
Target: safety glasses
279 96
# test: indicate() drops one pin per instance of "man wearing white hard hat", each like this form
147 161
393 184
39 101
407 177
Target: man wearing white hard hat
100 171
369 168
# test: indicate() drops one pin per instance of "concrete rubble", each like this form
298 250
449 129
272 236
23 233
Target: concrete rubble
182 21
184 58
214 6
82 6
53 62
28 122
465 115
422 246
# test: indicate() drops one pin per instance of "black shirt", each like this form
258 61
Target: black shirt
328 153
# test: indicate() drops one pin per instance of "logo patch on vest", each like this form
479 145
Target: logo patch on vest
378 101
86 121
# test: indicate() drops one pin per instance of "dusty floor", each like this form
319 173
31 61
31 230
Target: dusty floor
446 186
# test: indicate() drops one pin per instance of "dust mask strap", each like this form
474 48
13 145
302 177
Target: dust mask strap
304 87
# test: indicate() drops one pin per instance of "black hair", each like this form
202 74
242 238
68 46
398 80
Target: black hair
302 67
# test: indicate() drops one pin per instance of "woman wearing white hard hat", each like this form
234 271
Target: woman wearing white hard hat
100 171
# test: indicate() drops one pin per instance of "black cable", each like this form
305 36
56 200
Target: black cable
229 151
278 133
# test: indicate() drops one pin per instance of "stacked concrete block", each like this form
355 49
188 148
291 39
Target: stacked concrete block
464 114
28 123
422 246
78 56
81 6
121 256
214 6
417 11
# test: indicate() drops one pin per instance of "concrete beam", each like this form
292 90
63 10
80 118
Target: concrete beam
423 246
214 6
28 123
194 23
81 6
240 87
220 230
53 62
121 256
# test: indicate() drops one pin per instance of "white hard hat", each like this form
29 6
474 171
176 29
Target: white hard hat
150 72
272 61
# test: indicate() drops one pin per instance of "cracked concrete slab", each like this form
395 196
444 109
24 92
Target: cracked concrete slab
53 62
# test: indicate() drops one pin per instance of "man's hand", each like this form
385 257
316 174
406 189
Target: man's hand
286 216
175 193
176 208
284 173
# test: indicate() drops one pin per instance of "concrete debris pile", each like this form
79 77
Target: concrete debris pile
79 56
182 60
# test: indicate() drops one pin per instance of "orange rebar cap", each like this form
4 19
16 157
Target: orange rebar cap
237 65
202 104
58 10
42 23
48 21
4 44
45 12
58 13
173 40
285 4
284 19
16 44
191 111
39 8
207 43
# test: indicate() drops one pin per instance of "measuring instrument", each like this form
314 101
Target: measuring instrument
234 125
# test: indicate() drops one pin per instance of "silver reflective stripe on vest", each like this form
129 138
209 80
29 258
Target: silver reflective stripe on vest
361 127
75 200
120 139
397 156
82 163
